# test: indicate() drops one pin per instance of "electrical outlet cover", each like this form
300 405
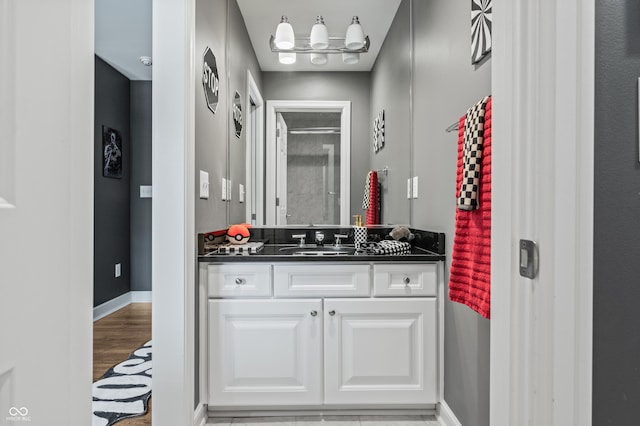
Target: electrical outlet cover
204 185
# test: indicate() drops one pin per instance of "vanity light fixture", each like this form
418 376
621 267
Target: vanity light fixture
319 45
284 34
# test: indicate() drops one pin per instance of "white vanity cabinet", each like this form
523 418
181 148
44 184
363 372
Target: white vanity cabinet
380 351
265 352
323 335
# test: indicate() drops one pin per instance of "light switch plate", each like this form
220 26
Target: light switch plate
229 189
224 189
414 190
145 191
118 270
204 185
409 188
241 193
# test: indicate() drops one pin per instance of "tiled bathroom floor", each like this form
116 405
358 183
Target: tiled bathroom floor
327 421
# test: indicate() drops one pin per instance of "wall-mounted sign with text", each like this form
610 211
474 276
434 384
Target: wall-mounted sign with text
210 80
237 114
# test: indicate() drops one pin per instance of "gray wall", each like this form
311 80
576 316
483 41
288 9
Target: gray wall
111 196
390 91
140 175
616 318
445 86
333 86
211 129
241 58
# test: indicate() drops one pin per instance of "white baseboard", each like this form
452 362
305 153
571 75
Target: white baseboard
141 296
445 415
200 415
120 302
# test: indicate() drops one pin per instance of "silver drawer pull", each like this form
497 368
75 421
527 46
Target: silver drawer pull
240 281
332 312
406 280
314 313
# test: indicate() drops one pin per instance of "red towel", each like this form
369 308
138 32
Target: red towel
470 277
373 211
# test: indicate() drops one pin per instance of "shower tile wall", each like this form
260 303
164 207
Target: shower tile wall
308 201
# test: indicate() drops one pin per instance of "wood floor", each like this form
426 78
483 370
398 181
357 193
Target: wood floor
115 337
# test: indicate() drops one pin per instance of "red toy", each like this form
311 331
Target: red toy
239 234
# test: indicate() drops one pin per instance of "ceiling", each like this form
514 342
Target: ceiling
262 16
123 30
123 34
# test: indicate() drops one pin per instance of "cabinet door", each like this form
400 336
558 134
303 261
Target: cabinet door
265 352
380 351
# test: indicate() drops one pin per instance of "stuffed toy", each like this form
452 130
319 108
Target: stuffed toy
215 237
401 233
239 234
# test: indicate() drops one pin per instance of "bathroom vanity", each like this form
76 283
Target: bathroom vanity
283 332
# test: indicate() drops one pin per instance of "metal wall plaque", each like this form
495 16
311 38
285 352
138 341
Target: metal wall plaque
210 80
237 113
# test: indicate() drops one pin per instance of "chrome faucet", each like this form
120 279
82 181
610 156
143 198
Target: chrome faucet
337 238
300 237
319 238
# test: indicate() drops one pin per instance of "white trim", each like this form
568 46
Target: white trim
253 92
111 306
343 107
141 296
115 304
325 411
541 330
173 224
446 416
200 415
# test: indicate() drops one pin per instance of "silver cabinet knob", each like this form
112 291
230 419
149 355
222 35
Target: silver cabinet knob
332 312
239 281
406 280
314 313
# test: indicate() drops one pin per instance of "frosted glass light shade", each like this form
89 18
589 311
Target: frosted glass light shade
319 35
354 38
287 58
284 38
319 58
350 58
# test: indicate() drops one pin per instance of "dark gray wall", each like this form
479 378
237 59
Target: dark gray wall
333 86
390 91
111 196
445 86
241 58
616 318
211 129
140 175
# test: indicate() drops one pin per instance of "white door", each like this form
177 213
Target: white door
542 174
281 170
46 211
265 352
380 351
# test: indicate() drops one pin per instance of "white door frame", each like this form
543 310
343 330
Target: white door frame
344 107
253 93
173 216
541 330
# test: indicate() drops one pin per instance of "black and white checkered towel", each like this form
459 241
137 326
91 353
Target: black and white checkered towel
473 140
385 247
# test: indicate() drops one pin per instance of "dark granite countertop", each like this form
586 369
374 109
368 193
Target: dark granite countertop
427 246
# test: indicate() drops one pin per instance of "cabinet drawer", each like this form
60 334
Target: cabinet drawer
405 279
325 280
239 280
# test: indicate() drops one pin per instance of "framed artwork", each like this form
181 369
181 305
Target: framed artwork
481 22
378 132
111 153
237 114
